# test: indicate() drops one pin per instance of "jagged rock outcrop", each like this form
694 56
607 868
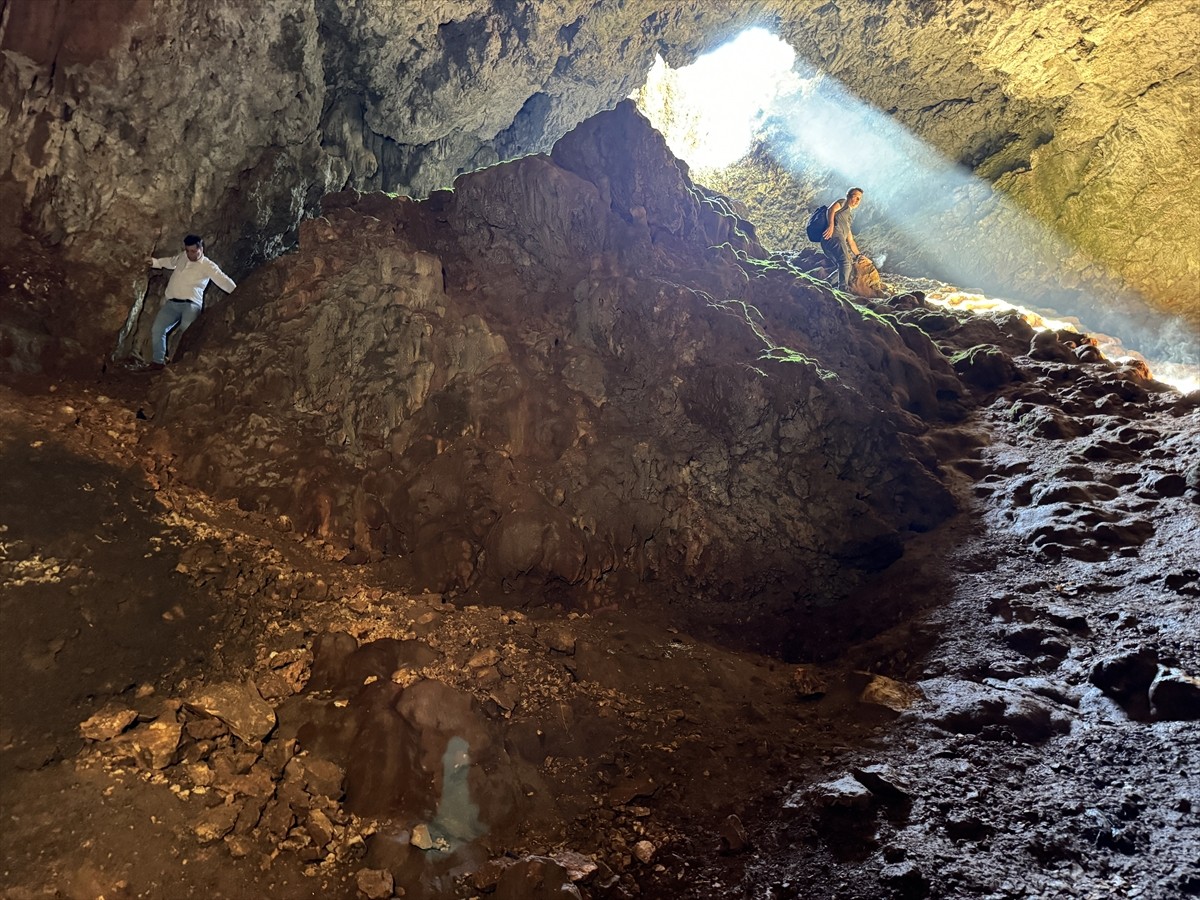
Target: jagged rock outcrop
566 377
122 129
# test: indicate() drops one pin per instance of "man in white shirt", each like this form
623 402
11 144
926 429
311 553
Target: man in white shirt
185 293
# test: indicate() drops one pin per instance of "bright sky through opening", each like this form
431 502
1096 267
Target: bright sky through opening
708 111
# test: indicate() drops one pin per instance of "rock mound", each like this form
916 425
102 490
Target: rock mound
572 376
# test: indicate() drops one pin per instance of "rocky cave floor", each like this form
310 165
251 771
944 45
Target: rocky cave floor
1027 729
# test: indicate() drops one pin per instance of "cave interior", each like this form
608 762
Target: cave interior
534 515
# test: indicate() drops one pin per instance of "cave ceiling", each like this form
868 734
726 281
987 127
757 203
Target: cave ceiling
123 122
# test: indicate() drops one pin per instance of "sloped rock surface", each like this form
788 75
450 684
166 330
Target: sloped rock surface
551 377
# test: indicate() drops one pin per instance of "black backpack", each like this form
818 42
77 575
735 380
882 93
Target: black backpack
817 224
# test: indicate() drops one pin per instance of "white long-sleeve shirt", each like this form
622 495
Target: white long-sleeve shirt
189 279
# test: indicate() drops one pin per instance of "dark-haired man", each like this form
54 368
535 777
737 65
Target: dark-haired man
185 293
838 240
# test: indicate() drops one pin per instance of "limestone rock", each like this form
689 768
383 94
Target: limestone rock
484 659
985 367
156 743
845 793
808 682
883 782
578 865
421 838
1175 695
905 878
966 707
215 823
557 636
895 695
107 723
376 884
239 706
1126 675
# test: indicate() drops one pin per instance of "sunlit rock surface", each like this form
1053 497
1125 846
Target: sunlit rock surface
569 373
123 129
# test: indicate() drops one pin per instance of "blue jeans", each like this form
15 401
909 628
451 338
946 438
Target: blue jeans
838 251
174 314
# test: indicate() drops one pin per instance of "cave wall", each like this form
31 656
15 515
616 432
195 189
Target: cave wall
125 123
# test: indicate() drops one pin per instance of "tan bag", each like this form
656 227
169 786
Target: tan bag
864 279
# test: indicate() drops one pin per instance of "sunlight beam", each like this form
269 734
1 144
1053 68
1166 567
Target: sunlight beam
753 88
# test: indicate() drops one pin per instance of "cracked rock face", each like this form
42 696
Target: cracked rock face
126 128
548 382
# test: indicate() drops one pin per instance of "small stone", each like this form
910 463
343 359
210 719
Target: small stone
844 793
322 777
200 774
1171 484
557 637
156 743
1125 674
887 692
733 836
577 865
107 723
320 829
273 688
205 729
1175 695
484 658
808 682
905 878
376 884
239 706
1184 582
215 823
487 677
643 851
506 696
277 818
883 783
421 838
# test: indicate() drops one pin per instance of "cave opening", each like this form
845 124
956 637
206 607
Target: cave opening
709 111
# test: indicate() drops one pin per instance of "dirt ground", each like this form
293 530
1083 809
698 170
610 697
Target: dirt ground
1025 728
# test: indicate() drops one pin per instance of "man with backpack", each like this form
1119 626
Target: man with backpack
835 234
